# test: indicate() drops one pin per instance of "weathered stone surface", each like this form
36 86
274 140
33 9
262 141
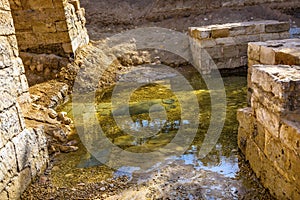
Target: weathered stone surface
20 113
242 48
14 44
254 51
215 52
42 67
31 150
247 29
57 94
18 184
225 41
199 34
290 135
276 152
10 125
61 26
285 160
44 27
280 80
58 3
7 101
242 139
276 52
284 57
32 4
8 53
278 27
8 164
230 51
245 118
267 56
4 5
67 47
6 23
294 169
251 63
267 99
273 147
48 25
246 128
284 52
266 117
267 173
208 43
220 33
246 38
232 39
270 36
47 15
23 149
259 135
39 159
256 158
4 195
230 63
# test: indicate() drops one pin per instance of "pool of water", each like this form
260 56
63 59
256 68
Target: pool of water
223 171
295 32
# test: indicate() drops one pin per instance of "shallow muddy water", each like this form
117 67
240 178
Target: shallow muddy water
222 174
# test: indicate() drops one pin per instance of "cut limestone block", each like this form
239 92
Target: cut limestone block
226 44
275 52
276 87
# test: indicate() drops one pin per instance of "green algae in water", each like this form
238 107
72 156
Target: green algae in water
222 159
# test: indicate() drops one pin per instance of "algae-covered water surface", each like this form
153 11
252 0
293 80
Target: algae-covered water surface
220 174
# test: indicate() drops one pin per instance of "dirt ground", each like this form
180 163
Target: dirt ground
105 18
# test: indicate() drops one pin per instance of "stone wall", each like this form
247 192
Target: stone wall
23 151
227 43
48 32
40 68
49 26
272 53
269 131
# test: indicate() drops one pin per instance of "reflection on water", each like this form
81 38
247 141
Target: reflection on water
222 160
295 32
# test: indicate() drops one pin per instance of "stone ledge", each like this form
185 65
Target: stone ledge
235 29
227 46
275 52
49 94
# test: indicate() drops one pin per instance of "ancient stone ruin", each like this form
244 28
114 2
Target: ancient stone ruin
227 44
269 131
48 32
38 32
40 39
